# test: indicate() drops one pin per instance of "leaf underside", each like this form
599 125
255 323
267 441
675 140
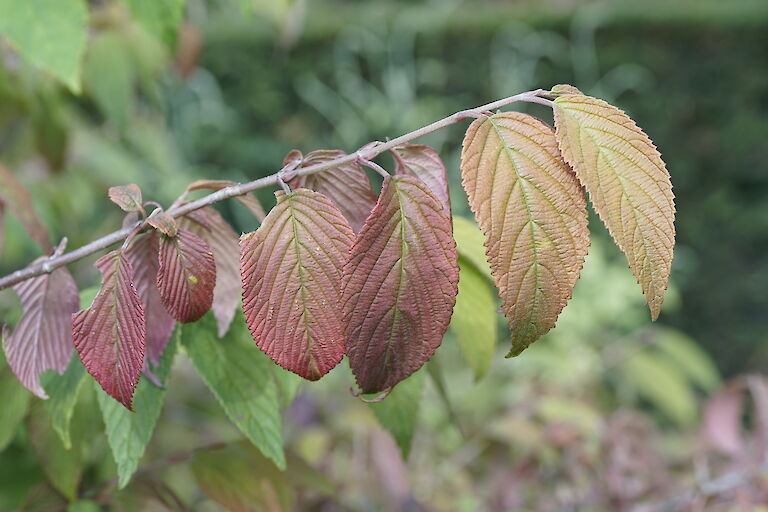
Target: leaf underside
346 185
424 162
291 272
109 335
400 285
533 213
628 184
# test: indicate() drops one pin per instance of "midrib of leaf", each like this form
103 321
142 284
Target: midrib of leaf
401 273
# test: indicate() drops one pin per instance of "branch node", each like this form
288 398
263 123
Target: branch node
373 165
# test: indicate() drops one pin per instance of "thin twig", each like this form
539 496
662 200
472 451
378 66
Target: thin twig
368 152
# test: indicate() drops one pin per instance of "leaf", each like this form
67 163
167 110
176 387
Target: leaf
127 197
42 340
161 18
470 244
129 433
398 413
722 418
424 162
628 185
474 319
63 391
400 285
63 467
223 241
346 185
239 376
143 255
19 203
533 214
287 383
186 276
109 75
248 200
50 34
689 357
241 479
291 270
14 402
163 222
109 335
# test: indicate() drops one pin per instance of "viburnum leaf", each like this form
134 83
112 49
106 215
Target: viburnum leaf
533 213
19 203
247 200
163 223
628 184
186 276
127 197
14 401
398 413
346 185
424 162
63 391
109 335
42 340
143 255
470 244
291 270
400 285
223 241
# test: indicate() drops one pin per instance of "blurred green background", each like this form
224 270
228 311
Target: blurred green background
243 82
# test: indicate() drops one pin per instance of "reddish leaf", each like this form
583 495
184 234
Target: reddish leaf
247 200
127 197
291 269
400 285
143 256
19 203
209 225
722 418
346 185
423 162
163 223
187 276
109 335
43 338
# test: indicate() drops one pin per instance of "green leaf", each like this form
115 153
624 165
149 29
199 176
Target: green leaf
109 76
474 319
63 391
470 244
240 377
50 34
160 17
287 385
398 413
14 401
62 466
129 432
83 506
686 354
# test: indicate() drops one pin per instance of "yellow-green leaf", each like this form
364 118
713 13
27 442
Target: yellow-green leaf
628 185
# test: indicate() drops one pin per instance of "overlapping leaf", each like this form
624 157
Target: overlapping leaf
19 203
423 162
533 213
109 335
186 276
291 270
223 241
398 413
400 285
43 338
346 185
628 185
143 255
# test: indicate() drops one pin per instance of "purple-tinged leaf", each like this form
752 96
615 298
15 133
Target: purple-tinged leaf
163 222
19 203
400 285
43 338
291 270
186 276
346 185
143 256
423 162
127 197
722 418
109 335
209 225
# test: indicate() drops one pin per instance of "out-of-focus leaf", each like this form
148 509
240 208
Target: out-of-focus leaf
398 413
470 244
62 466
127 197
42 340
109 76
50 34
722 418
239 376
303 476
689 357
240 479
83 506
400 285
128 433
474 319
186 276
291 274
19 203
109 335
63 391
14 401
424 162
161 18
287 383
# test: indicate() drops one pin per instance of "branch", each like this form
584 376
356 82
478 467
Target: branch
368 152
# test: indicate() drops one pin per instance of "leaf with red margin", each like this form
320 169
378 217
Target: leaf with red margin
20 205
346 185
400 285
109 335
209 225
42 339
143 255
186 276
424 162
291 271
